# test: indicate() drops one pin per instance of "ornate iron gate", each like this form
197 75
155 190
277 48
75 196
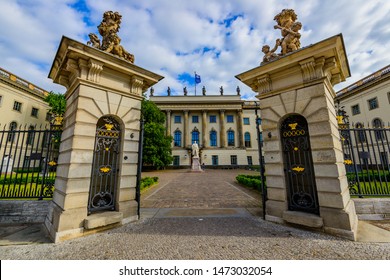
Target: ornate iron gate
105 166
298 165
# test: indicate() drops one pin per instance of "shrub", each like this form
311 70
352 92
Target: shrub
252 181
148 181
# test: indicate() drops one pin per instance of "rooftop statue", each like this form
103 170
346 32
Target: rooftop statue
108 29
286 22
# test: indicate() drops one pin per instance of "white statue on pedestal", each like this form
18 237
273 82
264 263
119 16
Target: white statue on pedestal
195 150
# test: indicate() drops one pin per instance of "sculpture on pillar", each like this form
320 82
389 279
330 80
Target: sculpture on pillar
185 91
204 90
290 41
238 90
221 90
151 91
108 29
169 91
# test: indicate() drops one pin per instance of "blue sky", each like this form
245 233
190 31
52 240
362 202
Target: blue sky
174 38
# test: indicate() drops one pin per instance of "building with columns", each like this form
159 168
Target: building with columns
224 126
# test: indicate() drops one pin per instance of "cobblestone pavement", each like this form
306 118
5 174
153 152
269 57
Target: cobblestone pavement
198 216
209 189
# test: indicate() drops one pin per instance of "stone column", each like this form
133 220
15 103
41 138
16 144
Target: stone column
185 130
168 122
240 128
98 85
204 128
302 83
222 134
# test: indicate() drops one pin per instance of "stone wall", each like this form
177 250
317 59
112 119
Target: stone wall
372 208
21 212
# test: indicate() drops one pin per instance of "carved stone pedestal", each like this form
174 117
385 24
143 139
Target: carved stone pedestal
306 178
95 186
196 165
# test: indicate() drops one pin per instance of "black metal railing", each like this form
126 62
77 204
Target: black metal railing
28 161
366 158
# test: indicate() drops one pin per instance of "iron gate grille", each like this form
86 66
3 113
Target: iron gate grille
298 165
28 161
103 187
367 159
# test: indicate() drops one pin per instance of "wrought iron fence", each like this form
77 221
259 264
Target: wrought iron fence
366 158
28 161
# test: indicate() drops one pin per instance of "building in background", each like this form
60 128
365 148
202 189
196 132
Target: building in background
367 101
364 108
21 102
24 123
224 127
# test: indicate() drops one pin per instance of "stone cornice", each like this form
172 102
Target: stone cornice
69 64
21 84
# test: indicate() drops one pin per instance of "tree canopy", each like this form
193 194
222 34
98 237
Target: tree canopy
57 102
157 150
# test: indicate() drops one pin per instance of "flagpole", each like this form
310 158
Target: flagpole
195 81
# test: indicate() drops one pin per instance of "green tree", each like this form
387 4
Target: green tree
157 150
57 102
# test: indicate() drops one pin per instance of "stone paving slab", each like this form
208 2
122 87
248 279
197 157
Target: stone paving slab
190 197
210 189
202 213
23 235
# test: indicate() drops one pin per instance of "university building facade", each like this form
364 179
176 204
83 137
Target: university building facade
24 119
224 127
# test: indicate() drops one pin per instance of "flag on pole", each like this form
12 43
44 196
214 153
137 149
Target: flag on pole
197 79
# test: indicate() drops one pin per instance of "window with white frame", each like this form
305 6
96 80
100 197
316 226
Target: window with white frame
34 112
373 103
233 160
355 109
17 106
247 139
213 138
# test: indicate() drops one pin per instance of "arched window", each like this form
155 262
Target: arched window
213 138
378 126
177 138
247 139
30 135
11 133
230 138
195 136
361 136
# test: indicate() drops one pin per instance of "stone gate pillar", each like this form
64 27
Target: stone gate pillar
99 86
301 84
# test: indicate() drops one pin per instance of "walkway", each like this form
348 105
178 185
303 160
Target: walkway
196 216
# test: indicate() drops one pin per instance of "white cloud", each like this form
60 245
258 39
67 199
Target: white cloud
157 31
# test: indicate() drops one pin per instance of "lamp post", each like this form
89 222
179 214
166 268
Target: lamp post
263 188
139 167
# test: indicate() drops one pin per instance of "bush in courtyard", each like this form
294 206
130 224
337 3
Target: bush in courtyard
148 181
252 181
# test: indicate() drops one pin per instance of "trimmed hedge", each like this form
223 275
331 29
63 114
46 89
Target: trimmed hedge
148 181
370 175
251 181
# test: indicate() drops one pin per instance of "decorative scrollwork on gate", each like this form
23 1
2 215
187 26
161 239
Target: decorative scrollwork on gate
298 165
105 165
